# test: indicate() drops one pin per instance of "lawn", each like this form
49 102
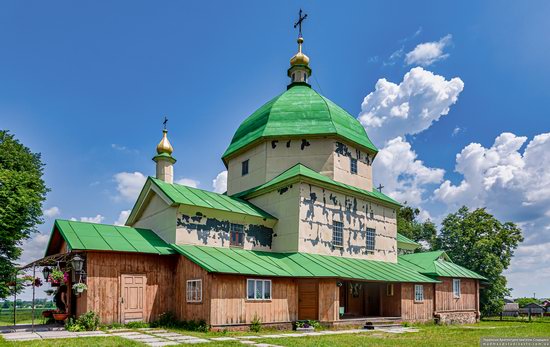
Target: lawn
24 316
429 335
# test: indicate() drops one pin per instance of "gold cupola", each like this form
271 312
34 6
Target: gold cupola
299 58
299 70
164 160
164 145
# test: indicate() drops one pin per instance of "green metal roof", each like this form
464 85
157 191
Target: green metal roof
300 170
184 195
405 240
103 237
246 262
299 111
436 263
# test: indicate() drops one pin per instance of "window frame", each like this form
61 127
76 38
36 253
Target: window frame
245 167
419 294
337 227
456 285
367 231
240 235
389 289
189 294
353 166
255 290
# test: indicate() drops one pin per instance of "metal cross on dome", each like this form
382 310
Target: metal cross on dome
165 121
299 22
380 188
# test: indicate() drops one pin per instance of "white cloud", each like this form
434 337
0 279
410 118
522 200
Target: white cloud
456 130
188 182
52 212
97 219
403 175
122 217
410 107
220 182
129 185
429 52
33 248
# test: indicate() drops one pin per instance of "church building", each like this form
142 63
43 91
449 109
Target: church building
300 234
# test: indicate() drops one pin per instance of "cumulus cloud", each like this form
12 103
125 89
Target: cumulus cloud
129 185
97 219
409 107
403 175
51 212
220 182
122 217
428 53
33 248
188 182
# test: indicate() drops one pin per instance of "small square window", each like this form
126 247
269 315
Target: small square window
236 235
194 291
418 293
244 168
353 168
338 234
258 289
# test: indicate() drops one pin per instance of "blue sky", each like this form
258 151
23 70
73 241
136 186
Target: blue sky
87 85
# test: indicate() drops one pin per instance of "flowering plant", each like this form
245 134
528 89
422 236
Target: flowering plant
57 276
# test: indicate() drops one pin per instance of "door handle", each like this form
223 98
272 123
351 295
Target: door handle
122 300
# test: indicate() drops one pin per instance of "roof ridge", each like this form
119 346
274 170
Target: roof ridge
328 108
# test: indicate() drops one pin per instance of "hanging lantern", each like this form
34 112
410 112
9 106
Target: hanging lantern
46 272
78 263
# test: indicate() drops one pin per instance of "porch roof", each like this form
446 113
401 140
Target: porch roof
104 237
437 263
257 263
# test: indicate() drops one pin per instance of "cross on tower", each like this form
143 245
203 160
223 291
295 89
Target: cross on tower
299 22
380 188
165 121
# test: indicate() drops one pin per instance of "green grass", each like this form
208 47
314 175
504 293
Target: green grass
24 316
429 335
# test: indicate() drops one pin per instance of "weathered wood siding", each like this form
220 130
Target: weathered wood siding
329 300
229 305
445 300
187 270
390 306
104 270
417 311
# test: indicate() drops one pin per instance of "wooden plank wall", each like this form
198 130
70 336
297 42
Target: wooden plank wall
445 300
390 306
329 300
187 270
104 270
417 311
230 306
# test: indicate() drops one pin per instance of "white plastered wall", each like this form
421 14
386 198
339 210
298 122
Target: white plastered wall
158 216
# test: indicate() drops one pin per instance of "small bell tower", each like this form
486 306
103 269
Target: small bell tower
165 161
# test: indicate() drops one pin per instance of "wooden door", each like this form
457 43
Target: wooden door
373 299
308 299
132 303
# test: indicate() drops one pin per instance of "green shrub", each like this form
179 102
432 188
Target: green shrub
169 320
71 325
136 325
165 320
256 324
89 321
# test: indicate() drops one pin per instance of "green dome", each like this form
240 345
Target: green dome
299 111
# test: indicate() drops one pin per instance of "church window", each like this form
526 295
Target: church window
456 287
194 291
258 289
337 234
371 238
244 167
418 293
353 168
236 235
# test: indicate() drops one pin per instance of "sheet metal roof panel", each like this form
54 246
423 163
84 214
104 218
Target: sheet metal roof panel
180 194
104 237
403 239
436 263
247 262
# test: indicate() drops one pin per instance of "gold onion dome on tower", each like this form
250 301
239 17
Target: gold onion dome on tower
164 145
299 58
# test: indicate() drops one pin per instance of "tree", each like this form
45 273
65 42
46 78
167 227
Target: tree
409 226
522 302
22 192
480 242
